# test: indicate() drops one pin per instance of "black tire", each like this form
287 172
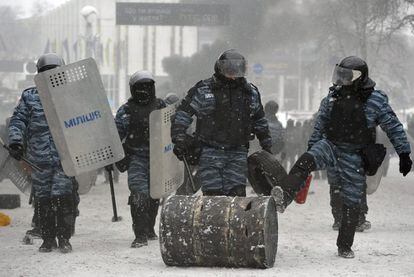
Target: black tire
264 172
9 201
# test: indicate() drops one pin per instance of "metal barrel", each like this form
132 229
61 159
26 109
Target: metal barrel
219 231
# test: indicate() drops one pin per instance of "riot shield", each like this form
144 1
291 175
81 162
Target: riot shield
374 181
86 180
166 171
16 171
79 117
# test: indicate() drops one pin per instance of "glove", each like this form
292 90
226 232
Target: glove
16 151
405 163
109 167
180 149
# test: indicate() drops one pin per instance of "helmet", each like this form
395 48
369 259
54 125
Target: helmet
271 107
142 76
352 71
171 98
141 85
231 64
49 61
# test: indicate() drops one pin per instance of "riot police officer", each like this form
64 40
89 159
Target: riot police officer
229 113
54 203
344 139
132 121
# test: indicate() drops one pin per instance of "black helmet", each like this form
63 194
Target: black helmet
271 107
141 85
49 61
352 71
231 64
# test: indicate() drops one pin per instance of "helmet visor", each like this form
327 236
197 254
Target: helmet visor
232 68
344 76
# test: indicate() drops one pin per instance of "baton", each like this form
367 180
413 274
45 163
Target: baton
115 218
32 165
190 174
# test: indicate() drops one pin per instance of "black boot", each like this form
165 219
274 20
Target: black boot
35 232
139 203
285 194
65 219
347 231
153 211
363 223
76 200
336 206
46 214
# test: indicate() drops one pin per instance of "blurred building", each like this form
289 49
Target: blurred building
87 28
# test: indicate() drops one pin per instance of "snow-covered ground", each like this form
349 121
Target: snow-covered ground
306 240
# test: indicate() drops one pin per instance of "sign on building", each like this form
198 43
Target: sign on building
172 14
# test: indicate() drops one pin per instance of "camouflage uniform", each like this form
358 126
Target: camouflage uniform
138 170
343 141
345 158
54 199
223 161
29 123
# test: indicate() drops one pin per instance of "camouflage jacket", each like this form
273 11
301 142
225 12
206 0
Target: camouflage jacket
28 126
377 111
201 102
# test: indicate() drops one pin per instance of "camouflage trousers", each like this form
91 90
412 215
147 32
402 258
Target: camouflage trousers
138 171
222 170
347 163
52 181
334 181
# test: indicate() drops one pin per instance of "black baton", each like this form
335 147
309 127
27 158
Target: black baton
111 185
190 174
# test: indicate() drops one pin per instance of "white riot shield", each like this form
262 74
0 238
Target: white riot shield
166 171
373 182
86 180
79 117
17 172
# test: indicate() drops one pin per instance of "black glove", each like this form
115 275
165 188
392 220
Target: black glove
16 151
405 163
180 149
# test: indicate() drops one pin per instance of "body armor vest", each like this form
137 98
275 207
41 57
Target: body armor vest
230 123
138 129
348 123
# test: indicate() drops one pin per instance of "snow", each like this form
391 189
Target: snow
306 240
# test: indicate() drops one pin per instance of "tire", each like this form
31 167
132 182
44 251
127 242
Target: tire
264 172
9 201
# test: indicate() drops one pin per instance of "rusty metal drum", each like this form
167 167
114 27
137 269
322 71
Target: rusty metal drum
219 231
